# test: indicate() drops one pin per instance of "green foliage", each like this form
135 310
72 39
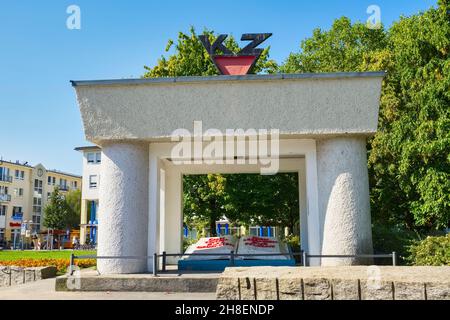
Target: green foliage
343 48
187 242
432 251
58 214
191 59
410 161
392 238
293 241
409 158
245 199
73 199
204 200
255 199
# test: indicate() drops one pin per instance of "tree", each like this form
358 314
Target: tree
263 200
57 213
73 199
410 158
245 199
409 162
204 200
342 48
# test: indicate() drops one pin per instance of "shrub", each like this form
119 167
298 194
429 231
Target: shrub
387 239
187 242
432 251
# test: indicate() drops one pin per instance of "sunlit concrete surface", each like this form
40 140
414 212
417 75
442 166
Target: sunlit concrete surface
45 290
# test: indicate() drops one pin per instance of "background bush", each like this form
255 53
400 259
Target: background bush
432 251
387 239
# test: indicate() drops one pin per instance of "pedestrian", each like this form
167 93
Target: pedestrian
74 242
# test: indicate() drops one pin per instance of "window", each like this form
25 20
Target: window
3 190
19 175
4 174
38 186
2 235
93 181
37 211
90 157
74 184
63 184
51 181
94 157
49 194
3 210
18 192
16 210
36 228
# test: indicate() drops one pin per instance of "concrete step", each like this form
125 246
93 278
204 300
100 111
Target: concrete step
138 283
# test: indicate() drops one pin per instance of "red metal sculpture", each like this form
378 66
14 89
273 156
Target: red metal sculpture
229 63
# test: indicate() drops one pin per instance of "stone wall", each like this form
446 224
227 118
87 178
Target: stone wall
10 276
335 283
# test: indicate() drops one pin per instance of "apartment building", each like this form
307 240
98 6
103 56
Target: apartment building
24 192
89 193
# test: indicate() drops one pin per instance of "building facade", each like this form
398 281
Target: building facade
89 193
24 192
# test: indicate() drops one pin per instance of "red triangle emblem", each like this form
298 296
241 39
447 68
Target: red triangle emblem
234 65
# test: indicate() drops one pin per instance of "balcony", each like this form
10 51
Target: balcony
5 197
4 178
63 187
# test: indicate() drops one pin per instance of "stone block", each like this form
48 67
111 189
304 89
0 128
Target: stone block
290 289
376 290
45 272
317 289
266 289
228 289
409 290
345 289
5 277
247 288
437 290
17 276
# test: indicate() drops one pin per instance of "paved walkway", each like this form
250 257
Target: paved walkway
45 290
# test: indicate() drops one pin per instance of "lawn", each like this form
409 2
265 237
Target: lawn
28 254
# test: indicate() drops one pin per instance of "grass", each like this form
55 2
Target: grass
27 254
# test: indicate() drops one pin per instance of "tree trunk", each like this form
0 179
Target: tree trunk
212 227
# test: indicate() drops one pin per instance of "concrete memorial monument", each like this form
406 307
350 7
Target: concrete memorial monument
315 125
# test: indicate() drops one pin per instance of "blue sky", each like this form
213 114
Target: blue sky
40 121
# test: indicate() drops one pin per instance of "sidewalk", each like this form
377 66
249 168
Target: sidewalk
45 290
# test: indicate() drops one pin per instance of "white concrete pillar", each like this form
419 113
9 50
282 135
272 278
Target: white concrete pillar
173 218
123 214
344 203
313 223
84 220
303 206
154 206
